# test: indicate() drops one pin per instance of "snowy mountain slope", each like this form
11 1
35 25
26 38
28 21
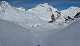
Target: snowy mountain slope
71 11
45 14
7 26
47 38
36 18
10 13
70 36
13 20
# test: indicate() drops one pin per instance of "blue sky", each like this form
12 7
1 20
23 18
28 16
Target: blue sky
60 4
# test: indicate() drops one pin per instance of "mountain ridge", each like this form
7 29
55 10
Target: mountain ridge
36 17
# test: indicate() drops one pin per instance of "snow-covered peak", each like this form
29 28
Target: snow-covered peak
42 7
5 4
71 11
11 13
37 16
73 7
43 11
21 9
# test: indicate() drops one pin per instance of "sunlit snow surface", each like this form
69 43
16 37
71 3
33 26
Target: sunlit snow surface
36 19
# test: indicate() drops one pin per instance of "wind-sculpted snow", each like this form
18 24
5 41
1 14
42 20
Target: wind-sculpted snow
36 19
